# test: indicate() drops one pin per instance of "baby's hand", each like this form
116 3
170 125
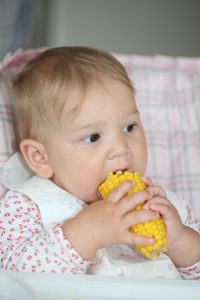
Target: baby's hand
171 218
107 222
179 237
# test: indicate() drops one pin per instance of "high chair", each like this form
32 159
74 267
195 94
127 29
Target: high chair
168 98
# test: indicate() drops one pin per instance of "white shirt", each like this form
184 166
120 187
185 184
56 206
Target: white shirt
32 212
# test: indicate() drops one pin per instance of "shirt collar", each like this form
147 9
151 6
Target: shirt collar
55 204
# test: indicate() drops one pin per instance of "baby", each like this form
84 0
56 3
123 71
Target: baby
77 119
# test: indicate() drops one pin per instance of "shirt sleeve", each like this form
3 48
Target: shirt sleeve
191 272
27 244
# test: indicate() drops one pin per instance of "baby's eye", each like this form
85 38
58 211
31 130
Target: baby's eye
92 138
129 128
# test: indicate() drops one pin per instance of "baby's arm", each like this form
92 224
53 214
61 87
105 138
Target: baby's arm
186 251
27 244
107 222
183 242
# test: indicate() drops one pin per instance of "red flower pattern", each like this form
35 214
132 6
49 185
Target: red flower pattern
22 226
28 245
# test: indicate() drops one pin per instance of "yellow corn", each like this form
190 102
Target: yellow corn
153 228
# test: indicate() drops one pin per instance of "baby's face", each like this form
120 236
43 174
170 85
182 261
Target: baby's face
104 134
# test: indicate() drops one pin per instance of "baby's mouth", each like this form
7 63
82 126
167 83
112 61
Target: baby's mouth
119 171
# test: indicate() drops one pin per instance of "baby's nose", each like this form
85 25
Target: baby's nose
119 147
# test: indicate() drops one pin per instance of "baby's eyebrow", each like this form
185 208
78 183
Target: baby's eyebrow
89 126
135 112
98 124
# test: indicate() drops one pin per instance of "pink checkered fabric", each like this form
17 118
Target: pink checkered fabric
168 96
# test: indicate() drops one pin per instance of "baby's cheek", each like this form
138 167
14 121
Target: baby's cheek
89 192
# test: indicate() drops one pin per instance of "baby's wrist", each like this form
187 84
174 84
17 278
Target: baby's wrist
78 240
185 251
179 242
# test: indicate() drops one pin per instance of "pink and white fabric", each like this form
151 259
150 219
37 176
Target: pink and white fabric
168 96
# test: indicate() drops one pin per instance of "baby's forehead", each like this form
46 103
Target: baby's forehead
96 94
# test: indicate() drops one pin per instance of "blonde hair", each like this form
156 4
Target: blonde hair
42 88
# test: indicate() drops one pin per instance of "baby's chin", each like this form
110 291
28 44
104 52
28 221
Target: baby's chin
93 199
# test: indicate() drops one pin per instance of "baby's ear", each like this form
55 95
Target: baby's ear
36 157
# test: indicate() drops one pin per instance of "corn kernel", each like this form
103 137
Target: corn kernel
153 228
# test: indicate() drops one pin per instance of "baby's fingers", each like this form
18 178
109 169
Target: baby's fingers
157 200
156 190
140 216
136 239
120 191
137 217
128 203
167 211
147 181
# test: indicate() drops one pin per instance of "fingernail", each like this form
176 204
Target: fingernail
151 240
131 182
150 195
156 215
145 206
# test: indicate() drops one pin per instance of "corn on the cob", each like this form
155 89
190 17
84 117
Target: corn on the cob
153 228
